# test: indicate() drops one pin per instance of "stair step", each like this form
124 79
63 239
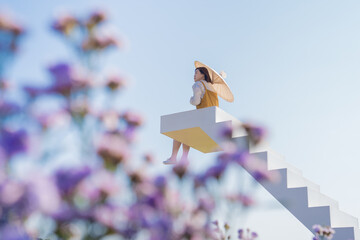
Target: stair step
296 180
275 161
316 199
342 219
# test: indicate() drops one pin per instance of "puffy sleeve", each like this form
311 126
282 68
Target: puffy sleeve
198 93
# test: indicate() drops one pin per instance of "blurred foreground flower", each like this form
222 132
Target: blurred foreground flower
113 149
10 34
323 232
256 134
243 199
111 192
115 82
65 80
13 141
247 234
65 24
12 31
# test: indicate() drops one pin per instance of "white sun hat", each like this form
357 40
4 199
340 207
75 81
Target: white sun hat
218 82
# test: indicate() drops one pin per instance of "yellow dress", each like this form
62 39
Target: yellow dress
209 99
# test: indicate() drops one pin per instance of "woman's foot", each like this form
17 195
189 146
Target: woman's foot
170 161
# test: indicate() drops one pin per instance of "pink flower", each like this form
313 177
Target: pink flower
12 33
99 186
65 24
149 158
107 215
115 82
113 149
110 119
258 169
132 118
47 193
99 43
53 119
95 18
243 199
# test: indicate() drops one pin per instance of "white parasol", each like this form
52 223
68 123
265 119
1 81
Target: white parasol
218 82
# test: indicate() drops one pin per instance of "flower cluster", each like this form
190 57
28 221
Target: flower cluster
13 31
84 34
105 190
247 234
10 34
323 232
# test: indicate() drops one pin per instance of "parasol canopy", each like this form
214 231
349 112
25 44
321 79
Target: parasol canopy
218 82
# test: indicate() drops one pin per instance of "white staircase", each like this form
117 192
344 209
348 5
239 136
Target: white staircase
200 129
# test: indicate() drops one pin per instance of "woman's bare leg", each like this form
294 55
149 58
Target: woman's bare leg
185 154
175 150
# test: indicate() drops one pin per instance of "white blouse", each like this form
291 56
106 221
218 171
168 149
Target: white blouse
199 91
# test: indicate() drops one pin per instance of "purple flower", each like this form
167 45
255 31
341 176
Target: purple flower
160 182
237 156
67 179
65 79
323 232
247 234
62 74
17 200
206 204
241 233
13 232
65 213
256 134
13 141
199 181
8 108
35 91
129 133
226 132
216 171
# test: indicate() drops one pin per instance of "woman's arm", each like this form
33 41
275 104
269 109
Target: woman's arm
198 93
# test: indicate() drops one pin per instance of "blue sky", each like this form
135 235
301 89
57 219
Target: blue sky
293 67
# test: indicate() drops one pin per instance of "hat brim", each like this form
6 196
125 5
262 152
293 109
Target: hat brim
220 85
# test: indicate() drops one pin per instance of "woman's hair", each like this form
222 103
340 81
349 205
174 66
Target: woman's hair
204 71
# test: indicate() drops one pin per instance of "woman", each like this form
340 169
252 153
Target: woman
204 95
